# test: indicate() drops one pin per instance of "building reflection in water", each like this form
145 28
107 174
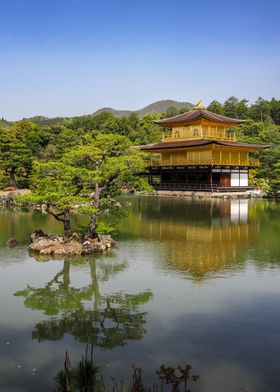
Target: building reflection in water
239 210
199 237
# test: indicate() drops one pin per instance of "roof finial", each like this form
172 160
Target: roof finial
199 105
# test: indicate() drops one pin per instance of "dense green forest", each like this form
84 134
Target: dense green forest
26 142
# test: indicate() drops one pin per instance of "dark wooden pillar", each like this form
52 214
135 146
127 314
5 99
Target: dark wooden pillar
211 179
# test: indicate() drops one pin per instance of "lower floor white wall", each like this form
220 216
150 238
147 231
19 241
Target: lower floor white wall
239 178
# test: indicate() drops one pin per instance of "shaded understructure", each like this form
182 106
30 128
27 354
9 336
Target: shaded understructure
199 152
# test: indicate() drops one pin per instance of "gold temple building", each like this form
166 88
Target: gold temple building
199 153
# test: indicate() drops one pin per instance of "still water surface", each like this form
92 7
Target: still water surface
189 282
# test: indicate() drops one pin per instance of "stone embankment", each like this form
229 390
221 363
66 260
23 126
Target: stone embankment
7 197
74 245
207 195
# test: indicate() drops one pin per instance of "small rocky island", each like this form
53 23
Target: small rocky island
75 245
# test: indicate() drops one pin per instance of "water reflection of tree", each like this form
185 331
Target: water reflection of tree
106 321
266 250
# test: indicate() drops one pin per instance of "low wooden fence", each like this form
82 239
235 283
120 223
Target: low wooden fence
197 187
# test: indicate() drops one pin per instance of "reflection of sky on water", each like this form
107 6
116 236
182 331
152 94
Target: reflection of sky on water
213 270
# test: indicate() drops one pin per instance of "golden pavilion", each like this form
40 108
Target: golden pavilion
199 152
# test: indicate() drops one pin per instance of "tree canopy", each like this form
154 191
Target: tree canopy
50 140
88 179
15 158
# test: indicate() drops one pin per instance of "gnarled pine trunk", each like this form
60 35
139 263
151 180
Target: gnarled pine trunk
63 217
67 224
91 229
12 174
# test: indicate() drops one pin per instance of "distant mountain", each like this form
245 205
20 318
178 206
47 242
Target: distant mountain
114 112
156 107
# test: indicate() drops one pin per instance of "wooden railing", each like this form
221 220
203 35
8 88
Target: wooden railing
202 162
182 134
185 187
198 187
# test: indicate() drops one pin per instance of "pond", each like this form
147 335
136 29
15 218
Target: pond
190 281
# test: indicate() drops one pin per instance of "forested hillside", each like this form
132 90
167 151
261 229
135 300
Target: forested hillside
156 107
25 141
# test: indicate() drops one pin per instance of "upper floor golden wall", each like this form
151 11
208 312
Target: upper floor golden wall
202 130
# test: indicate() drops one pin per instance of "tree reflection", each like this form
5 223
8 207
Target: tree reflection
107 321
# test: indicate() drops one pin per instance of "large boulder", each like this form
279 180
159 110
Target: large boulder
97 245
37 234
74 245
58 248
12 242
41 244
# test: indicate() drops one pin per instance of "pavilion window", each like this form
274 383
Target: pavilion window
213 131
243 178
235 158
234 178
166 158
243 158
225 157
195 132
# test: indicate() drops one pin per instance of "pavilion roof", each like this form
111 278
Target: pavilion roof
199 142
197 114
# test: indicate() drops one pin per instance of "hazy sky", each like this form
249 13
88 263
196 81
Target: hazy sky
70 57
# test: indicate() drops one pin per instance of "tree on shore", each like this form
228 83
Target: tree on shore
47 140
15 157
57 185
88 179
113 165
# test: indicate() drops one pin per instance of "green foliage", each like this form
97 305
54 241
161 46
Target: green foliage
49 140
106 228
86 377
261 111
275 180
31 135
258 182
57 183
15 157
176 379
216 107
87 179
262 126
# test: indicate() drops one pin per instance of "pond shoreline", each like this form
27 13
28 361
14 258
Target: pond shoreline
216 195
7 197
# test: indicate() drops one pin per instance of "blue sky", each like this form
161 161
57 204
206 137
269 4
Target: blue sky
71 57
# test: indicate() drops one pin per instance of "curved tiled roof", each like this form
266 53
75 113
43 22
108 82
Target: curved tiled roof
194 115
199 142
